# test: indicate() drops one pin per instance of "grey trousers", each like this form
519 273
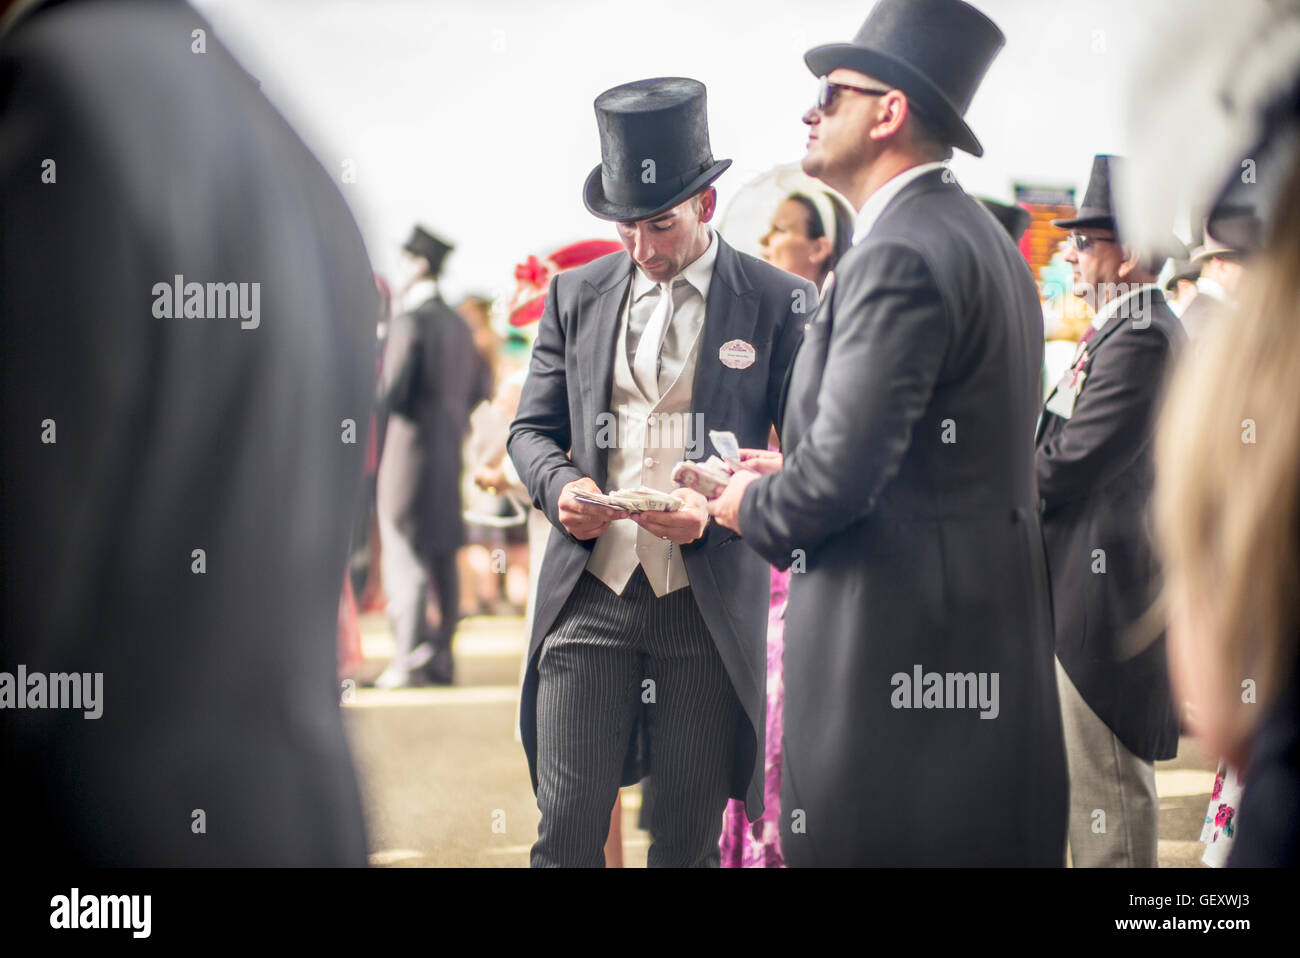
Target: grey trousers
408 577
607 660
1114 809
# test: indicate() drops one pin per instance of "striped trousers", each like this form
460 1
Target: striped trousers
609 660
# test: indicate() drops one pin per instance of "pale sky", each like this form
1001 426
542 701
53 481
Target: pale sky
476 118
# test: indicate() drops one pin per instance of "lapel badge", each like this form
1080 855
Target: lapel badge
736 354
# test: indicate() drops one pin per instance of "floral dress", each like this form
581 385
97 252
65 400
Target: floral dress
757 844
1221 817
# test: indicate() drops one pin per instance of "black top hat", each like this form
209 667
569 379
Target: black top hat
423 243
935 51
654 149
1013 217
1095 211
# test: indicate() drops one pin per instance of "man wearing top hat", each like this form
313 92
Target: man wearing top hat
1094 466
1221 269
432 378
648 644
921 718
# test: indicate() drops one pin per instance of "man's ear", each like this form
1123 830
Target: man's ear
708 204
1132 261
893 109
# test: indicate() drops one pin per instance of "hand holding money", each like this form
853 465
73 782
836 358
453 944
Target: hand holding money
582 517
682 525
726 508
762 461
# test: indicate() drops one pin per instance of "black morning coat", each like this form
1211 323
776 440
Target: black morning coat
1095 474
433 377
908 498
553 441
221 740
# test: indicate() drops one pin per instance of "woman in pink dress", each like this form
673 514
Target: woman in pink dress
808 234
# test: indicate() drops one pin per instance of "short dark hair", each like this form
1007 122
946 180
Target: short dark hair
926 135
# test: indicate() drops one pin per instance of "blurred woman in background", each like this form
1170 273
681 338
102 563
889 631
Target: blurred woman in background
808 235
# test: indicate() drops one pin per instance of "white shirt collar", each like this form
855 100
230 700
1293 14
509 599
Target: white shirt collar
1112 306
877 201
418 293
1208 287
699 273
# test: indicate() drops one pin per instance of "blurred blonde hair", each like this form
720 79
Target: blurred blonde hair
1227 500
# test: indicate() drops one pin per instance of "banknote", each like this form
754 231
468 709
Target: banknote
727 445
641 499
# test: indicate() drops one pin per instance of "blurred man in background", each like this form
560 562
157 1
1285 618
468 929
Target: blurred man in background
1094 466
433 376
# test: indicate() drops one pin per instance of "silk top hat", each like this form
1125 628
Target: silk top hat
654 149
935 51
423 243
1095 211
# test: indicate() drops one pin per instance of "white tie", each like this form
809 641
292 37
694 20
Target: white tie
645 364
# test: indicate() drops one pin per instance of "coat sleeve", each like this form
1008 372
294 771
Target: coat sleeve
1112 419
540 435
890 336
400 370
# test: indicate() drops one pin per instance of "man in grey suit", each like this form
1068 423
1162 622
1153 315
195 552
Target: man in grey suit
650 631
433 376
918 644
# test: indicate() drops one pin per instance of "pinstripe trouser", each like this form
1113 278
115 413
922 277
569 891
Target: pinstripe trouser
607 658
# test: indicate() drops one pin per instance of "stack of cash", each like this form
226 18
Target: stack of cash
710 477
641 499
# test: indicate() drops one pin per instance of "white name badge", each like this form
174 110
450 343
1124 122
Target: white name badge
1065 395
736 354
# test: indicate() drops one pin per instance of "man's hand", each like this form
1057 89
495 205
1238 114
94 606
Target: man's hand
583 520
683 526
762 461
726 508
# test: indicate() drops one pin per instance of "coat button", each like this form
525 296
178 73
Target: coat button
651 463
1019 514
650 419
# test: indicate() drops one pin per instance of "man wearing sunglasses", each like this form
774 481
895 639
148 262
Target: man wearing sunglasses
906 498
1094 468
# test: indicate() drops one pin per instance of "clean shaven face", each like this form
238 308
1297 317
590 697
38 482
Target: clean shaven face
666 244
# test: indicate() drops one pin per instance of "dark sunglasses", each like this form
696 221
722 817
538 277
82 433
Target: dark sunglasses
1081 242
828 91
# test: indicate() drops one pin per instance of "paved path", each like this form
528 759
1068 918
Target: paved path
446 783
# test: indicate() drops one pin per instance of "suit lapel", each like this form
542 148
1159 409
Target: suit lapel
827 289
598 325
1109 329
731 313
